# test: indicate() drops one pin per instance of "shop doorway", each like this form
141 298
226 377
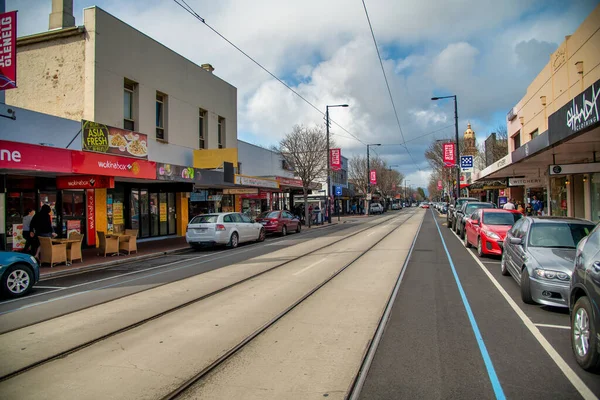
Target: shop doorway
73 212
153 213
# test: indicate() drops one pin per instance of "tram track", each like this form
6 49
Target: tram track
88 343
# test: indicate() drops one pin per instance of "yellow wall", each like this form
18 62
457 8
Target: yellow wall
559 81
182 213
101 219
214 158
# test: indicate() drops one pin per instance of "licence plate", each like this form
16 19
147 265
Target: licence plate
201 230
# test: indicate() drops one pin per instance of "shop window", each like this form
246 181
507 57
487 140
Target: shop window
161 120
595 196
202 129
172 217
128 105
134 209
115 212
163 211
221 133
517 140
558 196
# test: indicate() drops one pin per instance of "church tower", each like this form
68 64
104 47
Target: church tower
470 144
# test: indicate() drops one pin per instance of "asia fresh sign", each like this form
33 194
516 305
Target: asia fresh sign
104 164
373 177
102 138
8 50
448 155
335 155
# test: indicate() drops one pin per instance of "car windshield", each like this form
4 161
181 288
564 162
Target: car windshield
496 218
269 214
460 202
474 206
204 219
558 235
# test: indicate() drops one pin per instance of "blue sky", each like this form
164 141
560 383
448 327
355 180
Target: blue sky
486 52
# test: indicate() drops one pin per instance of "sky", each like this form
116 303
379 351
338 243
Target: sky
484 51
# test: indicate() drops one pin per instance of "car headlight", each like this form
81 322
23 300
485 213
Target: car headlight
33 260
550 274
491 235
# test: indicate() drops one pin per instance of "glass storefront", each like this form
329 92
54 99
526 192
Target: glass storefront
558 196
115 211
73 212
153 213
595 196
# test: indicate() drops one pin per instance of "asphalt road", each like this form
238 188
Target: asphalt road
434 348
59 296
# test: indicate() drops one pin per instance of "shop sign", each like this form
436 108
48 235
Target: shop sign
535 145
335 155
258 182
449 155
163 212
289 181
18 241
580 113
529 182
104 164
117 209
73 225
215 197
91 217
373 177
240 191
102 138
14 155
567 169
85 182
177 173
8 50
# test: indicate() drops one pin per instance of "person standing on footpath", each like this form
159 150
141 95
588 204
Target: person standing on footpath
510 205
41 225
27 235
529 210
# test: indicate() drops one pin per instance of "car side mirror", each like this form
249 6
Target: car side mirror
515 240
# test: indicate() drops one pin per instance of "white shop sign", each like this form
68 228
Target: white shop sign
528 182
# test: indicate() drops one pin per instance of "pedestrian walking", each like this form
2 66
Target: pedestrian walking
510 205
520 207
529 209
41 225
538 206
27 234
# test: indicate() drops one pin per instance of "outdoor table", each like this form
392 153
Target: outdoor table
121 237
68 242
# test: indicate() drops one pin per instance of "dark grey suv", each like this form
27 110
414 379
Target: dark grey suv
452 208
584 302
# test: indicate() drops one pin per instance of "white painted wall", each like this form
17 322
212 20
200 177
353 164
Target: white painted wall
258 161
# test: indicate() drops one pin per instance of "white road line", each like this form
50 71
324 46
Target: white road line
575 380
371 233
553 326
309 267
49 287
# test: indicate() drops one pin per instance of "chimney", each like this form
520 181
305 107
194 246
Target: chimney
208 67
62 14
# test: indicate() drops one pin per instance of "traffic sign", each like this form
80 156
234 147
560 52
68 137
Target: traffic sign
338 191
466 162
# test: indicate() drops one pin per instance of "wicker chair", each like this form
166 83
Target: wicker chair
108 245
129 242
52 253
74 250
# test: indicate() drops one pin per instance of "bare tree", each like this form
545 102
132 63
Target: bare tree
305 148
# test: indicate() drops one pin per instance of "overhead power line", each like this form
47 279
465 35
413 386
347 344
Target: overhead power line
418 138
388 84
191 11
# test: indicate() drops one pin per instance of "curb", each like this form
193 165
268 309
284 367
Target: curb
108 264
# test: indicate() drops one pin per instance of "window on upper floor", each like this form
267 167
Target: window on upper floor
161 112
517 140
221 133
534 134
129 92
202 129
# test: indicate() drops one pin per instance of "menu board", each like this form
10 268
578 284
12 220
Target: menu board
73 226
102 138
118 213
163 212
17 235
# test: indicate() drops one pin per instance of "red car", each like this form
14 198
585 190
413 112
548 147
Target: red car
279 222
486 228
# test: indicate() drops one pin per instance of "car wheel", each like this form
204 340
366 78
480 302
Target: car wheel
454 226
234 240
298 228
584 339
503 268
284 231
262 235
480 247
17 281
525 287
462 231
467 244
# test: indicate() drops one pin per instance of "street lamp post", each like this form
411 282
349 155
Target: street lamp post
328 160
457 195
369 176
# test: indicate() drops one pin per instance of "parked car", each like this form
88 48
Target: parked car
539 253
19 273
584 302
486 229
375 208
279 222
444 209
424 205
223 228
452 208
396 206
460 218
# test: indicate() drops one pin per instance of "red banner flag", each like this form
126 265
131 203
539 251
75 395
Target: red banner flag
439 186
8 50
373 177
449 155
335 155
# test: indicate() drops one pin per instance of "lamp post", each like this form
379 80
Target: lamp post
457 195
369 175
406 189
328 159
